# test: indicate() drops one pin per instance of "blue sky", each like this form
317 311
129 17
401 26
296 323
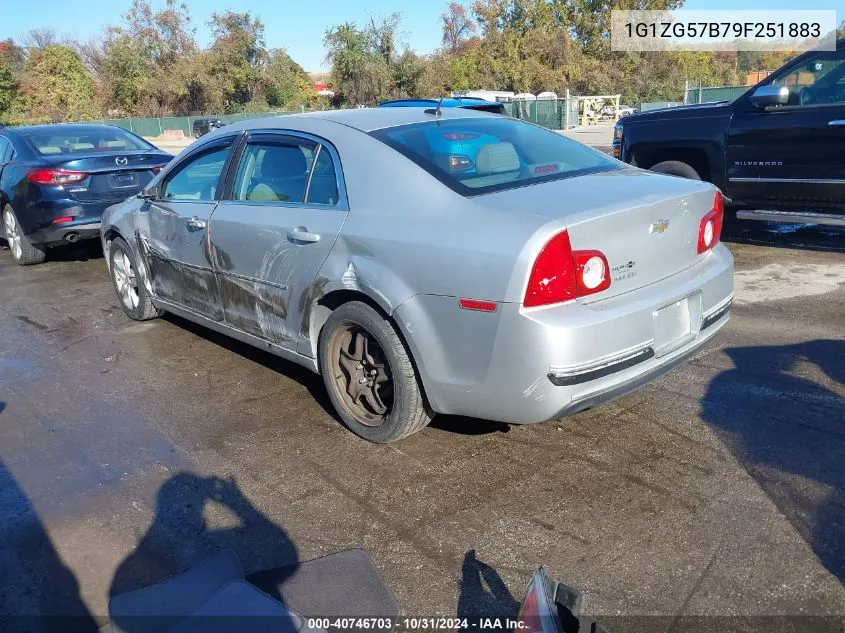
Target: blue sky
297 25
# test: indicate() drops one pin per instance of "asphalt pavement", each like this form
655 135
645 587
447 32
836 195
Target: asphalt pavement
130 451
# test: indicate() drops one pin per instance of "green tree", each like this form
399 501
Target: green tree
238 57
287 85
56 85
8 86
367 66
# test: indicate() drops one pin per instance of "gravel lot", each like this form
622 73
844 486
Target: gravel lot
717 491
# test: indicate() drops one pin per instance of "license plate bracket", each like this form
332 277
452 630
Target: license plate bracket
676 324
119 181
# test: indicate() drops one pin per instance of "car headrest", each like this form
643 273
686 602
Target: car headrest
496 158
112 144
50 149
81 146
283 162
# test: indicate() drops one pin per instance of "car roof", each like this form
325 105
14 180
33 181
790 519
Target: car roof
69 128
363 119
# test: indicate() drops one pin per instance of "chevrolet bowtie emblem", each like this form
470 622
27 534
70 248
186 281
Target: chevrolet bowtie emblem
659 226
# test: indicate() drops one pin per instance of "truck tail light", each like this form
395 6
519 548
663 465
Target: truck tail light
710 228
561 274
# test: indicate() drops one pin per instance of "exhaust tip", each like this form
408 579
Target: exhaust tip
72 237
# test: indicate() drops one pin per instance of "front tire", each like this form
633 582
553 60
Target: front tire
131 292
24 252
369 375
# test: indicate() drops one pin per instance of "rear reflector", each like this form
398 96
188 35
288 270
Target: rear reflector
67 218
56 177
479 306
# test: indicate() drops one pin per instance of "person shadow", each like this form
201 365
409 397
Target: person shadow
38 592
196 518
788 432
483 593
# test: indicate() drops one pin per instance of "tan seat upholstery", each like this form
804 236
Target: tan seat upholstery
496 158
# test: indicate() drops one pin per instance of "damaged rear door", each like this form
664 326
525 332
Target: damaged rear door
175 242
273 231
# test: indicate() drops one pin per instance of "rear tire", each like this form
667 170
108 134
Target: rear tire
131 293
676 168
369 375
24 252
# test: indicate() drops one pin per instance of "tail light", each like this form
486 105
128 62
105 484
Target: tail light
459 162
710 228
157 169
62 220
56 177
538 612
561 274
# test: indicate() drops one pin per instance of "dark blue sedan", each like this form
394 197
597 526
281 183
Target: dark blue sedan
56 181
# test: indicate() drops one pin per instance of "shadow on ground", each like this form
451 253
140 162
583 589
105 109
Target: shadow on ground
38 593
314 383
782 234
790 438
308 379
196 517
483 593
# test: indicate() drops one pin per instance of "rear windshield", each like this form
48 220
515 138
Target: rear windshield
85 141
474 156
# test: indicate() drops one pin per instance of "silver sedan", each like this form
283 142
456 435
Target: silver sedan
428 261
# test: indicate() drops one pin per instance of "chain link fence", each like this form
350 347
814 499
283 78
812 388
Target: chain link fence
711 94
156 126
555 114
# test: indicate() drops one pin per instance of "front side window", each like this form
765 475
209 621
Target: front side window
286 169
481 155
819 81
198 178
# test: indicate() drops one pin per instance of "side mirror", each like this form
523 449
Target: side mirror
770 95
150 194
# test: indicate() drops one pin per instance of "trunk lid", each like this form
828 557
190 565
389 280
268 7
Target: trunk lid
646 224
113 175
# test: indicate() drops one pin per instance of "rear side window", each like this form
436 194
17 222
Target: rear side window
286 169
483 155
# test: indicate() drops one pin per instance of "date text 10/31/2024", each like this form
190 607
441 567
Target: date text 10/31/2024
417 624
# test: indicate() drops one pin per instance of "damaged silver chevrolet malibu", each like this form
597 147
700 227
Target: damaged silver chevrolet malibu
428 262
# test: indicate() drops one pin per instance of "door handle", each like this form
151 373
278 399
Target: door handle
195 223
301 234
836 122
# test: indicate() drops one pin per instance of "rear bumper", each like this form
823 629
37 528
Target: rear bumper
85 224
530 365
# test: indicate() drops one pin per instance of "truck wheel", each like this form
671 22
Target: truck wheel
369 375
675 168
25 252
